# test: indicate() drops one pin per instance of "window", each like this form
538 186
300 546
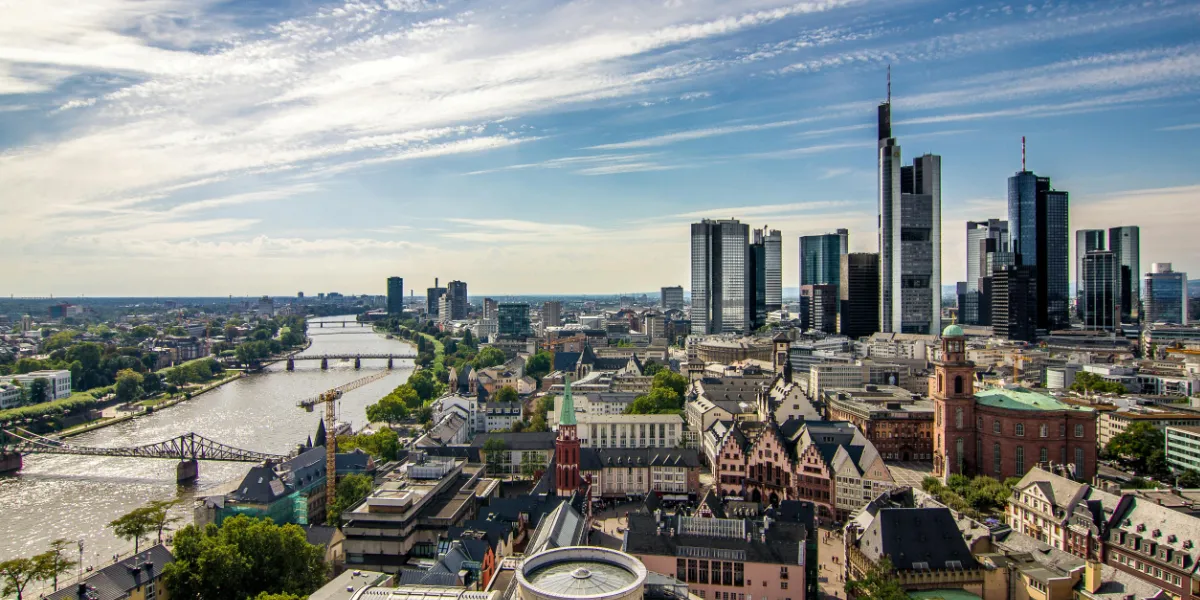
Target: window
727 573
704 571
1044 455
958 384
1079 430
958 417
1020 430
783 585
1079 460
1020 460
1043 430
996 426
681 569
691 571
783 572
996 457
738 574
979 423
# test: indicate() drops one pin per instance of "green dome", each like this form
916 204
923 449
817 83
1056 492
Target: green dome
952 331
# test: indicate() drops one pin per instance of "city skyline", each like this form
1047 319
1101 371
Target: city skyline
210 152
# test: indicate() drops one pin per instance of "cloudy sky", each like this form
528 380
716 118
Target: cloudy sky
172 147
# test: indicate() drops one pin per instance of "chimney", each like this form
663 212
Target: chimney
1092 576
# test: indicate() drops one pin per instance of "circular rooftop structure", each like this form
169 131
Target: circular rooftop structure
952 330
581 572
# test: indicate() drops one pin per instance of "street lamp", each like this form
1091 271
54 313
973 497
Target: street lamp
80 544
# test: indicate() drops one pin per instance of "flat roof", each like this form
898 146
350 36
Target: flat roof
1188 428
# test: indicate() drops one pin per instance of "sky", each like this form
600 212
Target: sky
195 147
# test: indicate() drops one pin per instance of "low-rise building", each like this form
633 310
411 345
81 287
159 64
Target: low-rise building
1113 423
58 382
1064 514
1183 447
138 577
624 472
629 431
825 376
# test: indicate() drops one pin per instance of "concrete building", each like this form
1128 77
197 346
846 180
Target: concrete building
858 295
1183 447
822 307
457 301
1165 298
1039 235
395 295
433 299
898 422
630 431
822 377
1115 422
671 298
720 278
580 572
1064 514
551 314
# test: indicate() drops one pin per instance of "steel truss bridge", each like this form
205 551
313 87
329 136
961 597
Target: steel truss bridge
187 448
343 324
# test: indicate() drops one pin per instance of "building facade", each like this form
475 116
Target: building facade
551 314
898 422
1101 309
720 279
1086 240
1183 447
822 302
1039 237
858 295
1012 302
456 300
1125 243
433 299
395 295
513 318
1165 298
821 257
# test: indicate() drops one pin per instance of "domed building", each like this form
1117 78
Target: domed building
1002 432
581 572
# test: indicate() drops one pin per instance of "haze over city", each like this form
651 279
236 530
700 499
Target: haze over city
207 148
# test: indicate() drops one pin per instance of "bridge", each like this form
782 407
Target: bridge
323 324
357 358
188 449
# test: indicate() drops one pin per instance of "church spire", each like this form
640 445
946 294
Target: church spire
566 415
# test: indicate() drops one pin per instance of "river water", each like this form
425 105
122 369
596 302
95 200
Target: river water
75 497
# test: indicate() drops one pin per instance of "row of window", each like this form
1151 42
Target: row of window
1149 569
1019 428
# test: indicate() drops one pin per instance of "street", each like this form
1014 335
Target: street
831 559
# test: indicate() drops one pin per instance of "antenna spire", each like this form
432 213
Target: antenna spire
889 91
1022 153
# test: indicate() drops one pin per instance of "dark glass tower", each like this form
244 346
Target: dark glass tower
1086 240
756 271
395 295
1039 236
858 302
1101 290
1125 243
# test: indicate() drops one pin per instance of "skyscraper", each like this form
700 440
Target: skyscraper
433 297
910 238
1101 290
1125 243
672 298
1165 295
756 277
1039 235
772 242
395 295
1013 302
720 281
1086 240
858 303
822 302
490 309
982 237
456 300
552 314
821 257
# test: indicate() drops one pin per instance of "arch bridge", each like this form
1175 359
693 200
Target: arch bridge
357 358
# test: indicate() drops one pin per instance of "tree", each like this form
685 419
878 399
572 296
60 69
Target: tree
129 385
651 368
1086 383
1137 446
539 365
142 332
506 394
242 558
159 513
390 409
134 525
351 489
468 339
178 376
424 384
425 414
494 449
879 583
660 400
55 561
151 383
670 379
489 357
17 573
383 444
39 391
1189 479
530 464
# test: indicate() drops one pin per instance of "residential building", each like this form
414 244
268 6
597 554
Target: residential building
672 298
1086 240
898 422
551 314
1165 298
513 319
1002 432
723 558
395 295
1066 515
1039 237
910 244
858 295
1115 422
1183 447
139 577
1102 283
1125 243
433 298
624 472
821 258
1155 544
491 310
58 383
1013 302
720 278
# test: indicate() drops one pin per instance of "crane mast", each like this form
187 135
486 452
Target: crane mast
330 399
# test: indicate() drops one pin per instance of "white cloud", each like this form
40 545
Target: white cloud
1185 127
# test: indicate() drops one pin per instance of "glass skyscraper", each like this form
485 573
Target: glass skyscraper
1125 243
821 256
395 295
1086 240
1165 296
977 233
720 277
1039 235
766 270
1101 293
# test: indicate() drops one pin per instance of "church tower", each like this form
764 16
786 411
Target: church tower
566 447
952 388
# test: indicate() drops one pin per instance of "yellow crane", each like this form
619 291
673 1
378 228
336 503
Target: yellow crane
1017 359
329 399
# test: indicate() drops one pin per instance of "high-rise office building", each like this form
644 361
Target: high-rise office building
395 295
822 302
821 257
910 236
1013 302
1039 235
456 300
1086 240
513 319
756 277
982 237
858 303
1165 297
490 309
672 298
720 278
552 314
1101 290
1125 243
433 298
772 242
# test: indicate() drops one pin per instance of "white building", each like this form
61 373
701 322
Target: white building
630 431
11 396
481 417
59 382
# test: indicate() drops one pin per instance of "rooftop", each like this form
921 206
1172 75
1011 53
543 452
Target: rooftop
1018 398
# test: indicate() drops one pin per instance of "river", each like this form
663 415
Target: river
75 497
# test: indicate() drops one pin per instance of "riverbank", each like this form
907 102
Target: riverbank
233 375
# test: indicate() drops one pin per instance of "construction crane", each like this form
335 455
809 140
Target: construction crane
1017 359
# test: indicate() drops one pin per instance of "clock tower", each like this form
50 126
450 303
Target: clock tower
566 446
952 388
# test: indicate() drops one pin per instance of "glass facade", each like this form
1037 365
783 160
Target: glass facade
720 257
1165 295
1125 242
1086 240
821 257
514 319
1101 283
395 295
1039 236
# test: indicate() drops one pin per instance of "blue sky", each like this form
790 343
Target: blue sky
169 147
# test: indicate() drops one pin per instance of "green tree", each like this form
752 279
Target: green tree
1138 445
1189 479
425 414
660 400
879 583
383 444
60 340
489 357
134 525
17 573
494 450
266 596
931 484
425 385
539 365
672 380
129 385
243 558
468 339
55 561
177 376
507 394
39 391
142 332
159 514
1086 383
651 368
351 489
389 409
